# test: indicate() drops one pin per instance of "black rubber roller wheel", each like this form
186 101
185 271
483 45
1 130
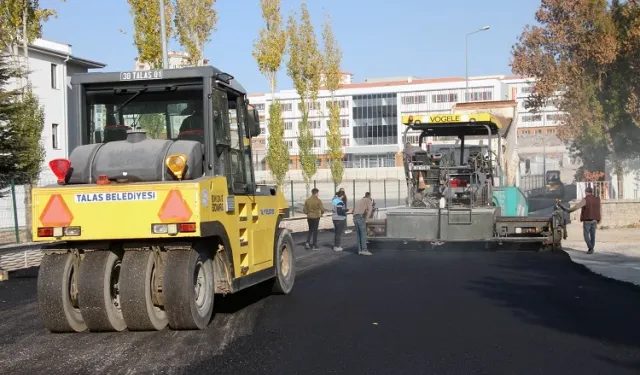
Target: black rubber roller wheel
188 289
58 294
284 262
99 295
137 278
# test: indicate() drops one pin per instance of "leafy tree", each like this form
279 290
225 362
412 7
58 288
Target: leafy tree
26 125
194 21
586 51
304 68
332 60
20 24
154 124
146 24
9 107
268 51
277 152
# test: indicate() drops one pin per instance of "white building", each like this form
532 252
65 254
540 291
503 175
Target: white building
51 65
177 60
371 114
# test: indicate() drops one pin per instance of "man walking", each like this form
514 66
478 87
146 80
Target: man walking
589 216
314 209
361 213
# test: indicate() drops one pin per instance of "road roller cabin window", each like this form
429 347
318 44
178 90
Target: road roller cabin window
236 125
162 114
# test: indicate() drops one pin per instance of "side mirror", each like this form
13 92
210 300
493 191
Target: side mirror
252 123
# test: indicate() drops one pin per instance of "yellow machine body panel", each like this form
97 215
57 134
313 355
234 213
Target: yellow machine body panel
131 211
451 118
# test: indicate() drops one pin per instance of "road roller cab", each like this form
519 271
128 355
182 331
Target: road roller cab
156 208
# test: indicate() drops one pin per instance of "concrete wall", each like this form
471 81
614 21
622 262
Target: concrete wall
631 178
615 213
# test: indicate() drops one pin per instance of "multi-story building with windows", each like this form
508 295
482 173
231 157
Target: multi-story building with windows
51 65
177 60
371 112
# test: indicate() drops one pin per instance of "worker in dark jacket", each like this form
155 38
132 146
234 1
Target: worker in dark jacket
589 216
344 200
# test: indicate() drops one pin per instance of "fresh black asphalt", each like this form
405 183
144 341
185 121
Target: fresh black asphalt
396 312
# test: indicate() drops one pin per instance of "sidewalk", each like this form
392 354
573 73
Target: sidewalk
616 256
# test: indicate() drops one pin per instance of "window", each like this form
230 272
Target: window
288 125
479 96
345 142
341 103
526 89
531 118
162 114
313 124
317 143
259 106
288 144
54 136
554 117
415 99
444 98
54 76
344 123
312 106
286 107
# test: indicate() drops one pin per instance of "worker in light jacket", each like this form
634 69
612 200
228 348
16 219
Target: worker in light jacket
361 213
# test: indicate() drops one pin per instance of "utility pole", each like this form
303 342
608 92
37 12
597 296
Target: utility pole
163 35
544 142
466 59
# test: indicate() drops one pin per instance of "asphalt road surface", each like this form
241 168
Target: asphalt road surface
396 312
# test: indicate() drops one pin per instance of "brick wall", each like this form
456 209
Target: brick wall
615 213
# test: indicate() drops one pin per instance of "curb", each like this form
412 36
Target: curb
22 246
585 268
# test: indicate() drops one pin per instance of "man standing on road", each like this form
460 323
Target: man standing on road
589 216
361 213
339 218
314 209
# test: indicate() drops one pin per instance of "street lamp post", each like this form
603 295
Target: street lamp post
466 58
163 35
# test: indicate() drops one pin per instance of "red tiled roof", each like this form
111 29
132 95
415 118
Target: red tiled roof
417 81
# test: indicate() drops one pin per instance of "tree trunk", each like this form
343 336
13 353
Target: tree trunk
620 187
27 210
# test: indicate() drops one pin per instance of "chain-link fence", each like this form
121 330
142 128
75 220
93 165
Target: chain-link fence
386 193
13 211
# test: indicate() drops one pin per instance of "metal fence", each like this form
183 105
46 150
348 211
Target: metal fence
385 192
605 190
531 183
